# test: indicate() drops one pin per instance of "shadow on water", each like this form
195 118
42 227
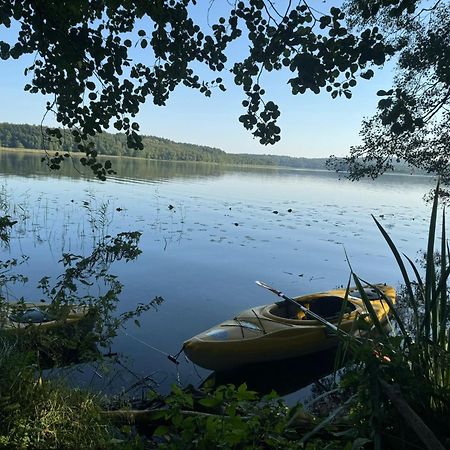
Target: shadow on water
284 377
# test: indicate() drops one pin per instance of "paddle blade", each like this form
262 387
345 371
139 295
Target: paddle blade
270 288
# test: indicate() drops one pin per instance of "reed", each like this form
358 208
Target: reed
406 374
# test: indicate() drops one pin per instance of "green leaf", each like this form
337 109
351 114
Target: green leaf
359 443
157 415
209 402
368 74
162 430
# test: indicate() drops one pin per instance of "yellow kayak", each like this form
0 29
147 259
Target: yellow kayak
20 316
280 330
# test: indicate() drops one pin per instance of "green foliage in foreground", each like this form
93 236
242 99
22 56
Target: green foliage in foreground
231 417
47 414
35 413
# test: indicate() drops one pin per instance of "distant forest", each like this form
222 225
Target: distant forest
17 136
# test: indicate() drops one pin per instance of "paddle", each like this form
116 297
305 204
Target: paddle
305 310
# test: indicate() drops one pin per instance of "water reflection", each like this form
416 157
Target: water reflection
128 169
285 376
29 164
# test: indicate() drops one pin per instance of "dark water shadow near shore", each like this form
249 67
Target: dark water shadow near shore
284 376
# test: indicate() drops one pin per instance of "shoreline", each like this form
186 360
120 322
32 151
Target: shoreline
27 151
140 158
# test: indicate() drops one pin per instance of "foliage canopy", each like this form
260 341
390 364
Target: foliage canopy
412 118
84 58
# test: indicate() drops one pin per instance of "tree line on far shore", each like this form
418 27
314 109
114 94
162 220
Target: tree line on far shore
33 137
21 136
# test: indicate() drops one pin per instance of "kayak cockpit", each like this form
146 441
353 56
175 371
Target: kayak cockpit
31 315
328 307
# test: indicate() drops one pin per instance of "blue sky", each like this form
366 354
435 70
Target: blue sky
312 125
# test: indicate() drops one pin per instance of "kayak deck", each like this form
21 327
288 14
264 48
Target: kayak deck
279 331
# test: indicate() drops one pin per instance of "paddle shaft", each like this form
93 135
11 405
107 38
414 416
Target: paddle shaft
300 306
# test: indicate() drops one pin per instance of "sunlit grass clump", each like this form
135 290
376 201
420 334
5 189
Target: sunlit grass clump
38 413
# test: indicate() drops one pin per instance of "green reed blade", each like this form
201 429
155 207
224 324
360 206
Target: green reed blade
443 279
443 294
392 309
413 301
420 283
345 302
343 346
430 274
372 314
397 256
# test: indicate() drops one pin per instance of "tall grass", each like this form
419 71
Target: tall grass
426 343
41 414
407 374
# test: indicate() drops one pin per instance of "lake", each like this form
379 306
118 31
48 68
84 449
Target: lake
208 233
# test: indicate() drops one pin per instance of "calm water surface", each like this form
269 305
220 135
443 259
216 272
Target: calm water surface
227 228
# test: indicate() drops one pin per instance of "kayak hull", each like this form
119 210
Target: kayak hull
270 333
17 317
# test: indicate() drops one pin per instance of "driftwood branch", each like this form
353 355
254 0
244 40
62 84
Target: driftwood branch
427 437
